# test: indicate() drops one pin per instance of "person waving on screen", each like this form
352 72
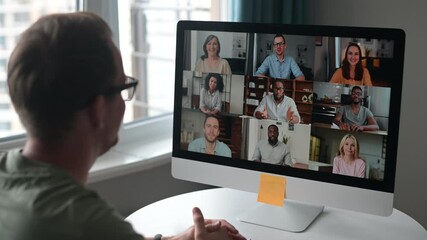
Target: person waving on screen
278 106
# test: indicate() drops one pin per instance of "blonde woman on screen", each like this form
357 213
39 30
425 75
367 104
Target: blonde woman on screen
348 161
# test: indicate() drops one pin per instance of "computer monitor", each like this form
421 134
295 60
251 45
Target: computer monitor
337 144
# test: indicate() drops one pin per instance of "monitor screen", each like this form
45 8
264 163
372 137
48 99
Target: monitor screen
319 105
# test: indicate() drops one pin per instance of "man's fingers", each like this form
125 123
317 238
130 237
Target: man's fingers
229 227
213 226
199 221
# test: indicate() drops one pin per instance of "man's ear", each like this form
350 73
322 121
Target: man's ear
96 112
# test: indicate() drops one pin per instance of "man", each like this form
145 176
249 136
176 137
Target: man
210 144
272 150
355 117
278 106
65 78
277 65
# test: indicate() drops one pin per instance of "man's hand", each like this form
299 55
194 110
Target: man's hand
290 115
344 126
356 128
201 231
262 115
208 229
213 229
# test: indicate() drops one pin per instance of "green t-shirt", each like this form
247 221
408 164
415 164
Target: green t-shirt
40 201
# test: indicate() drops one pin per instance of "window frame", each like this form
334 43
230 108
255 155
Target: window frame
108 10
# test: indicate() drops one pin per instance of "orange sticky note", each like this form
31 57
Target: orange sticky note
272 189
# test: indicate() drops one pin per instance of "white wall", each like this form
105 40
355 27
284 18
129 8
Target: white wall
130 192
411 176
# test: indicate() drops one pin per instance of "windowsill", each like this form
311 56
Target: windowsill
142 146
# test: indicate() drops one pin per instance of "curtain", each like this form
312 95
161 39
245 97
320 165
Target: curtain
270 11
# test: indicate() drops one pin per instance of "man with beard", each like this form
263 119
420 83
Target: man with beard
277 106
355 117
277 65
210 144
272 150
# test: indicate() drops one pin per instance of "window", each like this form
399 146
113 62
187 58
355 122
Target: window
4 126
21 17
2 65
4 106
2 86
2 42
147 42
2 24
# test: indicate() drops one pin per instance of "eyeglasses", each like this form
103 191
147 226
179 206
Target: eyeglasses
279 44
127 90
356 93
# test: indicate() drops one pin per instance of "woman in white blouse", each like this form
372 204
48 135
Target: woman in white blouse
211 94
210 61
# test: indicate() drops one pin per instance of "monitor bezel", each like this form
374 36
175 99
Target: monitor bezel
397 35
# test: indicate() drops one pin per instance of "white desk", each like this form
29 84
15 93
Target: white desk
174 215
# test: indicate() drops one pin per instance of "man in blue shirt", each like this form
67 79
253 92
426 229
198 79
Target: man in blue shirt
210 144
277 65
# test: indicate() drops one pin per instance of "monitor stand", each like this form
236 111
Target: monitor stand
293 216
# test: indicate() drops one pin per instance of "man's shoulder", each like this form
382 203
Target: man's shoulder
13 153
197 141
288 99
346 107
43 198
222 144
196 144
262 143
222 149
289 58
3 158
63 210
14 165
268 97
365 108
271 57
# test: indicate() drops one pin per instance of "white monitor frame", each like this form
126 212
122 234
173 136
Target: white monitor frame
307 186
